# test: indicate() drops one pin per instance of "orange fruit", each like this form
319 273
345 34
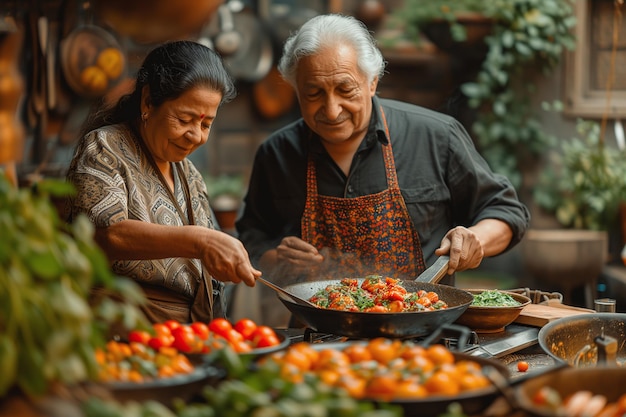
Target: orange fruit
94 80
443 384
439 354
111 61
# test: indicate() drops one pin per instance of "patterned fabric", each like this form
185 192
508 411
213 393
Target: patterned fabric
115 182
366 235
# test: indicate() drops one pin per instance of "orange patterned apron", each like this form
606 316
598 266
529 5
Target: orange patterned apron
366 235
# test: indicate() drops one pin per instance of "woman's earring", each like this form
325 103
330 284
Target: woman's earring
144 117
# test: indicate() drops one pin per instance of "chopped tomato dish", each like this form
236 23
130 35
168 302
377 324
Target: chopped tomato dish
376 294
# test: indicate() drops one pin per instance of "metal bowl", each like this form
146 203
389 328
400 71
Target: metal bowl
492 319
567 338
609 382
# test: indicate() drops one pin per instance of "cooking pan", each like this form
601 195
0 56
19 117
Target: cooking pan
472 402
566 338
369 325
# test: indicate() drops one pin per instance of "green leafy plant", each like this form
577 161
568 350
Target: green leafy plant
585 182
48 329
418 13
527 37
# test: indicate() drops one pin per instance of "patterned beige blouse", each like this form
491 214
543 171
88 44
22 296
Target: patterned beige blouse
115 182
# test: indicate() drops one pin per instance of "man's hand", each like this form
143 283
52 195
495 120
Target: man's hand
468 246
464 248
298 255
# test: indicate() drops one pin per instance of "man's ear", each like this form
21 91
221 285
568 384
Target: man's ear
373 86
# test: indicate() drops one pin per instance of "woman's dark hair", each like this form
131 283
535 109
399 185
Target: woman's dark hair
169 70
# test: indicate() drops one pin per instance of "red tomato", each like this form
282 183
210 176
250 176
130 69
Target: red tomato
186 340
159 341
139 336
220 326
246 327
161 329
172 324
234 337
264 336
522 366
201 329
267 341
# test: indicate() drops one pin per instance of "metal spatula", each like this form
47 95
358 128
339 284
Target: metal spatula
291 296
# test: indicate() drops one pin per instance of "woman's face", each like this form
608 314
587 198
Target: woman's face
335 97
178 127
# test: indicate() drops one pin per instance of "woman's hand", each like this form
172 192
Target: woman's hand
226 259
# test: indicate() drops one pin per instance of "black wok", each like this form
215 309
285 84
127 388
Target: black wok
370 325
565 338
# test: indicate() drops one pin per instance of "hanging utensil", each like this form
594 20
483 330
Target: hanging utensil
619 135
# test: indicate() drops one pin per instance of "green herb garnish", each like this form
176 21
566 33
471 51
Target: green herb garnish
494 298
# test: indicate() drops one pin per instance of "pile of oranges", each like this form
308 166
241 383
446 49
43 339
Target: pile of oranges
383 369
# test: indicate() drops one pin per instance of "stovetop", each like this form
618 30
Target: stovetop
514 338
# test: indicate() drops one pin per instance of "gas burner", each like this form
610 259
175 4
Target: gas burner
457 338
452 337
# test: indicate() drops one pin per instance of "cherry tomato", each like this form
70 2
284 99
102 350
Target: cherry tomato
186 340
139 336
264 336
233 337
522 366
160 341
201 329
172 324
246 327
160 329
267 341
220 326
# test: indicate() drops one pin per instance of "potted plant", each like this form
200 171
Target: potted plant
526 37
225 197
49 329
582 187
450 25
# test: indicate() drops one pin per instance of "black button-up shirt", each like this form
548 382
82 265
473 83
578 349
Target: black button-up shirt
445 182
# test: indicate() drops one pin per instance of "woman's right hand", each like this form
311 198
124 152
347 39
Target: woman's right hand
226 259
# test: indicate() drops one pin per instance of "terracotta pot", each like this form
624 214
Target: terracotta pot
477 27
226 219
151 21
565 259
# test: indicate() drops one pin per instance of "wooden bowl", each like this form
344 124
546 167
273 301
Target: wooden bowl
491 319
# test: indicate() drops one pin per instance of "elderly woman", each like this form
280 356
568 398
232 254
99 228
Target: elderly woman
147 200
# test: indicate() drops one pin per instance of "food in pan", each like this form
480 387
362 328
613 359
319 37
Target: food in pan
581 403
382 369
376 294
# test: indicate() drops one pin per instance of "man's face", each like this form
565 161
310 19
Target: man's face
335 97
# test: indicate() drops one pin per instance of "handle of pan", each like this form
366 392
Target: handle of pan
435 272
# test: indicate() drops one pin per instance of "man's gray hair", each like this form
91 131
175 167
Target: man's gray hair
331 29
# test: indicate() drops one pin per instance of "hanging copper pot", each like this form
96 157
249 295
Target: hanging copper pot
153 21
